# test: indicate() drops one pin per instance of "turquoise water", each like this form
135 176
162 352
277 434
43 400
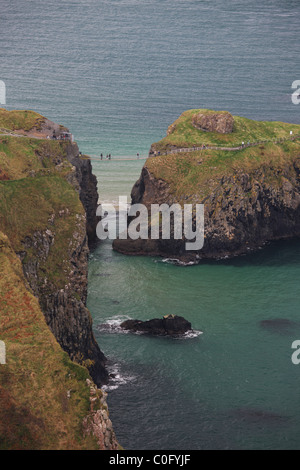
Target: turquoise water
117 73
116 178
234 386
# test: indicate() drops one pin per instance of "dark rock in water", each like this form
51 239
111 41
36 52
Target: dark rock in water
257 416
170 325
279 325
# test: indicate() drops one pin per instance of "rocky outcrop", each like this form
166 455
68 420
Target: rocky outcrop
221 122
98 423
243 208
170 325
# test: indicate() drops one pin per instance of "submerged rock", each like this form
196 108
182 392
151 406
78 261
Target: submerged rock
279 325
258 416
169 325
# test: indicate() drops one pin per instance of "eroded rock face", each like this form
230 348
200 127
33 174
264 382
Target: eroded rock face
87 188
65 308
242 211
214 122
98 423
170 325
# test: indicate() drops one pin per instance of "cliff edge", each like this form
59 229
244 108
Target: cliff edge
245 173
48 200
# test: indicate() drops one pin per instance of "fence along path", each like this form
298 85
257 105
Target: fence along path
240 147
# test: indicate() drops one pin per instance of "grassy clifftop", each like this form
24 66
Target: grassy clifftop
184 133
192 176
250 192
25 120
22 157
33 188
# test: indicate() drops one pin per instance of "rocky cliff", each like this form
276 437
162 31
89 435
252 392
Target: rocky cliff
251 194
48 200
49 227
48 402
87 188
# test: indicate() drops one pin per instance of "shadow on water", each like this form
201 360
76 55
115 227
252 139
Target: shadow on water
272 254
282 326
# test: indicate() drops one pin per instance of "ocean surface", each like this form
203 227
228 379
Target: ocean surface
118 73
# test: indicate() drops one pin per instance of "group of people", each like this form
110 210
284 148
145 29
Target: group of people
60 136
108 156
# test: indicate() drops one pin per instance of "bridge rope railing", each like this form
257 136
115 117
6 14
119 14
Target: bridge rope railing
210 147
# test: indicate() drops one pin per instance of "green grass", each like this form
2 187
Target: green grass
185 135
194 175
14 120
19 157
27 205
33 188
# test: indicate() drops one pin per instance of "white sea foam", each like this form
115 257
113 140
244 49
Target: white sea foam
113 325
177 262
191 334
117 378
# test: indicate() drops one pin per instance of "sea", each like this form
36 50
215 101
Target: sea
117 73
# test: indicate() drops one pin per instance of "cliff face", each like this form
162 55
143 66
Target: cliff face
47 401
48 200
87 188
48 206
251 195
64 305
